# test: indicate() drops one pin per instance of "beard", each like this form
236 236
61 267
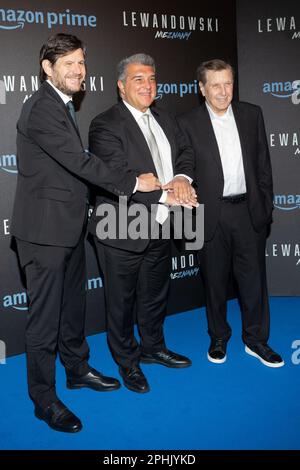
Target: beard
61 84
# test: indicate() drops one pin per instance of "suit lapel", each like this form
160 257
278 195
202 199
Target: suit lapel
168 130
141 146
49 90
72 122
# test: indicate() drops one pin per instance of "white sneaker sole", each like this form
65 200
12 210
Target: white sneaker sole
268 364
216 361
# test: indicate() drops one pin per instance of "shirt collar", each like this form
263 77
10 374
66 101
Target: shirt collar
137 114
224 117
62 95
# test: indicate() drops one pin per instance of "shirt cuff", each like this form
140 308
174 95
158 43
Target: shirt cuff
136 186
190 180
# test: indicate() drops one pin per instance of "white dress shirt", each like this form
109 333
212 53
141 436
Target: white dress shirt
164 151
161 140
230 151
63 96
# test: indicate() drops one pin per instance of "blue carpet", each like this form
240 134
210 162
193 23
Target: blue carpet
237 405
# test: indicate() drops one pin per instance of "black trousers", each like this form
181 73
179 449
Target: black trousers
129 278
55 281
238 247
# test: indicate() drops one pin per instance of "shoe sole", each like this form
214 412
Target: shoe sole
71 431
216 361
265 363
97 389
151 361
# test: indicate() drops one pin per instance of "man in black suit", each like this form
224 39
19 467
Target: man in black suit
234 182
48 224
138 270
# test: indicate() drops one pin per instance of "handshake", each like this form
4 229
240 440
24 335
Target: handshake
180 191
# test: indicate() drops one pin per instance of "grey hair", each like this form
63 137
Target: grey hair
141 58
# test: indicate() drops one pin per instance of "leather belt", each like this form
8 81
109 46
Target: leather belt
234 199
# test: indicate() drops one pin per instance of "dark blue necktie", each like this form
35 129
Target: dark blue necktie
71 109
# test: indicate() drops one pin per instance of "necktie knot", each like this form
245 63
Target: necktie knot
145 118
71 106
146 122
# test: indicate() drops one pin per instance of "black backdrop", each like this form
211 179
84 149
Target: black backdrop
268 58
179 36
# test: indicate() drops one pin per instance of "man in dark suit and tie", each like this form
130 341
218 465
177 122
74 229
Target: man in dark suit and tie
138 270
234 182
48 224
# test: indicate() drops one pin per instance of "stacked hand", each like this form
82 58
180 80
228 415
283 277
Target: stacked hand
180 192
147 182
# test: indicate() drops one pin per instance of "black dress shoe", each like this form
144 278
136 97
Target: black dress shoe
134 379
166 358
58 417
265 354
92 379
217 351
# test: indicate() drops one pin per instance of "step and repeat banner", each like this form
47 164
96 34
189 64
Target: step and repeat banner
268 39
179 35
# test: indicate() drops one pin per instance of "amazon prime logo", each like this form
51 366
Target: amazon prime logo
17 301
16 19
287 202
179 89
296 353
8 164
283 90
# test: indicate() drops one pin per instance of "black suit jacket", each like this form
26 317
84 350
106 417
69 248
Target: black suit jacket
51 195
209 177
116 137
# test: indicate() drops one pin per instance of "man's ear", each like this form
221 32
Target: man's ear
201 87
47 67
121 87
